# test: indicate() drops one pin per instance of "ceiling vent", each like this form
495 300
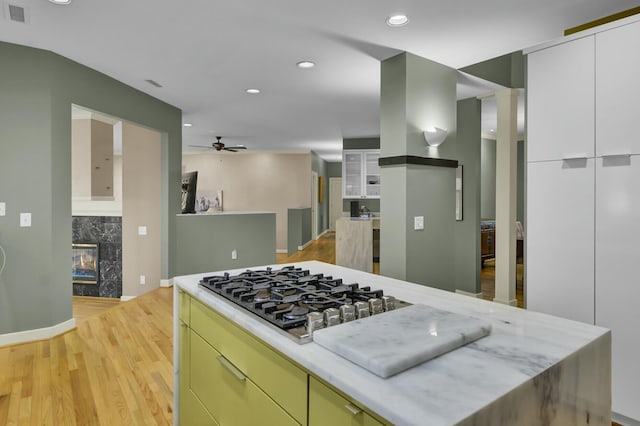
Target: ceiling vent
154 83
16 13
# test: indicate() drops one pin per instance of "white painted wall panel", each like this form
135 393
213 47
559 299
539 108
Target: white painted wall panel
560 238
618 90
617 283
560 101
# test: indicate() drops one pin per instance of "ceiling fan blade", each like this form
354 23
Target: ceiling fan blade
230 149
200 146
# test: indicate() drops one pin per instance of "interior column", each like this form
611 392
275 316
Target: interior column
417 94
506 196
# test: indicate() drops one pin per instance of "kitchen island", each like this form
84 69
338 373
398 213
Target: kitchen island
532 368
355 242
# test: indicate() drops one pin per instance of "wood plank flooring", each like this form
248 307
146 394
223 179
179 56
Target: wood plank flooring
115 368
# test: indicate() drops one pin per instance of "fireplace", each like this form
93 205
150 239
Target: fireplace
85 264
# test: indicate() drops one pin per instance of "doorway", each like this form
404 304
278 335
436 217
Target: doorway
335 201
314 205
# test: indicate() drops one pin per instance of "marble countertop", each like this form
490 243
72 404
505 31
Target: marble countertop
447 389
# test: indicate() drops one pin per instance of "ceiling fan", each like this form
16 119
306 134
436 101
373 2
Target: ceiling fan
219 146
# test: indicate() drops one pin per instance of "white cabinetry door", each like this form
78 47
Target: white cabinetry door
618 90
560 99
560 238
352 175
617 283
372 174
361 174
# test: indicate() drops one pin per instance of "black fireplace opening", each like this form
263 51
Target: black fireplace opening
85 263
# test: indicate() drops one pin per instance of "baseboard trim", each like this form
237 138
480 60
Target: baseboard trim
282 251
466 293
512 302
37 334
304 246
166 283
324 232
127 298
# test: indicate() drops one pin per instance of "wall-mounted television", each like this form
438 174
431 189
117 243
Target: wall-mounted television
189 181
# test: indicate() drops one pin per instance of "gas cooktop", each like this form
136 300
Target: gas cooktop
298 302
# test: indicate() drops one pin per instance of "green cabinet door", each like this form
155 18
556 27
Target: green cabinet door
327 407
191 410
227 393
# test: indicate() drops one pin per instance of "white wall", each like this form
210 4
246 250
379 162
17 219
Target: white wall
270 182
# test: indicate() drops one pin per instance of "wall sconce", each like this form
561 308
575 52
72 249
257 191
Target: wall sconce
435 136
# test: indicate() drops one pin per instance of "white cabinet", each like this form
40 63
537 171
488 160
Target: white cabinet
560 97
360 174
560 238
618 90
583 224
617 259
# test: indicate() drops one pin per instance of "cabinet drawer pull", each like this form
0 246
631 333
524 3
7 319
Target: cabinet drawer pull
575 156
615 155
231 368
353 409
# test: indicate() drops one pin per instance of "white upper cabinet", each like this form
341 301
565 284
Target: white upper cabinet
360 174
618 90
560 101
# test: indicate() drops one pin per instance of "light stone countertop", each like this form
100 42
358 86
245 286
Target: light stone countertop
532 366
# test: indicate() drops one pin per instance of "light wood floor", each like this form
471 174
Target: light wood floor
116 368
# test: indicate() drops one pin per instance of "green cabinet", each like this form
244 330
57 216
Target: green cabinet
229 377
328 407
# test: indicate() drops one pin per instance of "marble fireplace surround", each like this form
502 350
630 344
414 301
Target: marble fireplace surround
106 231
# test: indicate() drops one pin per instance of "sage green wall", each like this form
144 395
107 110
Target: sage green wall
507 70
361 143
488 187
37 89
205 241
467 231
334 169
488 179
417 94
298 228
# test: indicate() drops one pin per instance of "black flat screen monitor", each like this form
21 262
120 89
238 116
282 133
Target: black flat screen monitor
189 181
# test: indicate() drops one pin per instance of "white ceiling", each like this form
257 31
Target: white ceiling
205 53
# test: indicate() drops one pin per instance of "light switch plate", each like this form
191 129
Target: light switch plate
25 220
418 223
3 208
142 230
234 254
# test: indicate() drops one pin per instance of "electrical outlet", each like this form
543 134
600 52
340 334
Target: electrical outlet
3 208
143 280
142 230
418 223
25 220
234 254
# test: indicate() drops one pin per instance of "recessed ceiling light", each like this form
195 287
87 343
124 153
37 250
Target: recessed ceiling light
305 64
60 1
397 20
187 124
253 91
